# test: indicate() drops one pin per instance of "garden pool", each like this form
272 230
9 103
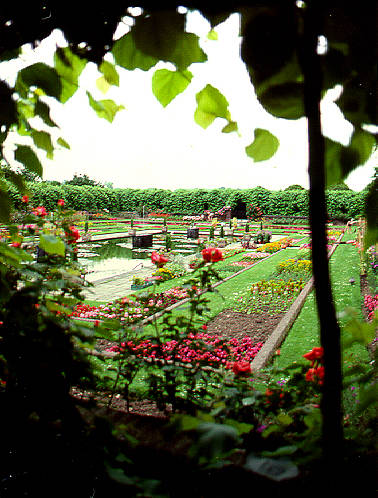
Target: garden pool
105 259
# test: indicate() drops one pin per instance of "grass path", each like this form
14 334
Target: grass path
304 334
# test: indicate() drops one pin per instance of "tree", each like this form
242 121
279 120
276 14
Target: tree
83 179
339 186
289 74
294 187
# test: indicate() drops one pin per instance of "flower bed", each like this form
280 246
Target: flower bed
272 247
196 348
371 304
131 310
269 296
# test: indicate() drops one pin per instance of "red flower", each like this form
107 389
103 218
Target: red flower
204 327
241 368
16 244
40 211
310 375
25 199
158 259
72 234
315 375
314 354
212 254
60 202
319 372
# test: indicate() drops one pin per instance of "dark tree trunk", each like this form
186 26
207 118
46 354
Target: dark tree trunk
329 328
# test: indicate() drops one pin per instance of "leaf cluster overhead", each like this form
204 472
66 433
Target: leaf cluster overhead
271 46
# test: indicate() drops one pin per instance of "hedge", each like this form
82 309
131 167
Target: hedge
342 205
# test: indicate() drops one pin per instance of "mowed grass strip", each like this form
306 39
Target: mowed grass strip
305 333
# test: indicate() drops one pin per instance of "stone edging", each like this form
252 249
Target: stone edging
280 332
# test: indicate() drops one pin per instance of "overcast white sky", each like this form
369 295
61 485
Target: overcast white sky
151 146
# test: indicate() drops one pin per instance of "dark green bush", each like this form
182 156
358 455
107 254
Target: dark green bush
342 204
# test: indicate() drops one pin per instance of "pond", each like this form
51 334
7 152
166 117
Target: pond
116 256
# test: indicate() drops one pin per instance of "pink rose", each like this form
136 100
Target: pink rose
40 211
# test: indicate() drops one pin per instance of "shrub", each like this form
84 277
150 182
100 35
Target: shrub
341 204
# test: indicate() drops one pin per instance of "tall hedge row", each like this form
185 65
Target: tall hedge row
341 204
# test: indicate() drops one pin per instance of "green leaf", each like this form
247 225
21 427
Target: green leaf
263 147
357 100
241 427
53 306
187 422
230 127
161 34
7 55
8 109
106 109
282 451
212 35
284 419
128 56
110 73
277 470
52 244
367 396
363 143
269 39
18 181
25 155
63 143
187 51
5 206
42 140
360 332
43 110
340 160
41 76
9 255
371 203
250 400
211 104
102 84
284 100
69 67
215 439
166 84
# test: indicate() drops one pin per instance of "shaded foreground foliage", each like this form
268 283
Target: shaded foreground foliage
52 444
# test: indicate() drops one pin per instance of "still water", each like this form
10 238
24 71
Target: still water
113 257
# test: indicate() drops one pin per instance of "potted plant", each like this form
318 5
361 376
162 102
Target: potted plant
266 237
258 238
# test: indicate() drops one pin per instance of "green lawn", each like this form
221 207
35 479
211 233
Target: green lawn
304 334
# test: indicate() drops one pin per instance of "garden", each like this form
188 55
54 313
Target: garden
180 346
234 349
